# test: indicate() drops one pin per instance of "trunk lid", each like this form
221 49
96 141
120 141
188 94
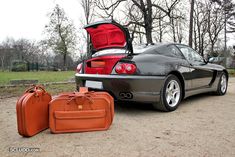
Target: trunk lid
108 34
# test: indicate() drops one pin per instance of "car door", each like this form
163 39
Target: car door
201 76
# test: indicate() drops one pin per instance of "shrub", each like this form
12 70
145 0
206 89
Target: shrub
19 66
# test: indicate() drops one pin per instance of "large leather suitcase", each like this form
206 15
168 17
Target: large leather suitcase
33 111
81 111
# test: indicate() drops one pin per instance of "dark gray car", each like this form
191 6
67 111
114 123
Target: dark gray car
161 74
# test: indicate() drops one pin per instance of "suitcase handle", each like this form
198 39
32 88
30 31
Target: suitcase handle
83 90
80 96
34 88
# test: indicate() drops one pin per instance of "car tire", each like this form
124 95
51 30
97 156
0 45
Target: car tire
170 94
222 85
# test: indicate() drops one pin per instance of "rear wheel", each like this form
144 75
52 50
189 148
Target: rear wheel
170 95
222 85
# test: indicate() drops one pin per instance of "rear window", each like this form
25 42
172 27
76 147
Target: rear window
167 50
137 49
142 48
110 51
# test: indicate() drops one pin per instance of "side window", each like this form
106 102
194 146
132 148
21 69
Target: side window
190 54
175 51
197 57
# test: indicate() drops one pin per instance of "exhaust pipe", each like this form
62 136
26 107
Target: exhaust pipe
129 95
126 95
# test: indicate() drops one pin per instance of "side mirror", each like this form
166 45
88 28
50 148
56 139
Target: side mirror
211 59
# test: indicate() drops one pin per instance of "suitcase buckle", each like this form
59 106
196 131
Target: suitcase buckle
80 107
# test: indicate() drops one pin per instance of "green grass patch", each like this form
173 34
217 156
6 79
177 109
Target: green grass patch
231 72
52 89
41 76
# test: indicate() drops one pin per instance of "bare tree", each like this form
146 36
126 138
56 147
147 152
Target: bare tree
179 22
190 38
231 24
108 7
21 49
88 10
201 25
215 23
61 33
143 13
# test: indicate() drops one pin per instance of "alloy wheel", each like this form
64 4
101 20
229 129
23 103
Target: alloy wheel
223 84
173 93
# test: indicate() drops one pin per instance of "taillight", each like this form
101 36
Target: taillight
125 68
79 68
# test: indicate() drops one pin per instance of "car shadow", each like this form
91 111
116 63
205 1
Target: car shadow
133 107
196 98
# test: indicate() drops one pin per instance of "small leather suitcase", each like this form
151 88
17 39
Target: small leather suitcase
81 111
32 111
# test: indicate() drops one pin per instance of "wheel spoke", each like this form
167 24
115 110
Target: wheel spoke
168 99
176 91
172 85
175 95
173 100
167 91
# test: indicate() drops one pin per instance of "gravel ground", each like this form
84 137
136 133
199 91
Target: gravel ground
203 126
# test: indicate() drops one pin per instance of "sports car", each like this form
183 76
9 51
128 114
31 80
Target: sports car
161 74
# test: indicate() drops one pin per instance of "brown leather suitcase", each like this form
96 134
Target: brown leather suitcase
81 111
32 111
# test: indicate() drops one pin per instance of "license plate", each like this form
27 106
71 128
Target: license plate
94 84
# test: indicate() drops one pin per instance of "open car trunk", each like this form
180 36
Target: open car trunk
106 35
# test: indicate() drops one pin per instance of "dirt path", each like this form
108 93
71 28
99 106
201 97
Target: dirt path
202 126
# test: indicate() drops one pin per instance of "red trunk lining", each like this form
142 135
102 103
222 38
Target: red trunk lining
106 36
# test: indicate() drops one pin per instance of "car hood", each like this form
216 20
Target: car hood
108 34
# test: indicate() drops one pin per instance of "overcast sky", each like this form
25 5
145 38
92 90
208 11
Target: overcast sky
27 18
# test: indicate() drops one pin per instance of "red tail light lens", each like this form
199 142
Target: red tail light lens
125 68
120 69
79 68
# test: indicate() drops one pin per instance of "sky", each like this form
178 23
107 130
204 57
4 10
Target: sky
27 18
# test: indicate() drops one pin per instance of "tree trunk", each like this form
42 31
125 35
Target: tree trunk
88 48
2 63
148 35
202 47
190 40
148 22
160 29
173 28
212 47
64 61
195 37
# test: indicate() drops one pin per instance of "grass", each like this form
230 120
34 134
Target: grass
52 89
231 72
41 76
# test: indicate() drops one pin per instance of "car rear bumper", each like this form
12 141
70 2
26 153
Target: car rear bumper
126 87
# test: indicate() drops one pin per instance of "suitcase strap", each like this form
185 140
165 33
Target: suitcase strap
80 99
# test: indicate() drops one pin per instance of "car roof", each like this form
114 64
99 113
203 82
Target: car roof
146 46
139 48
